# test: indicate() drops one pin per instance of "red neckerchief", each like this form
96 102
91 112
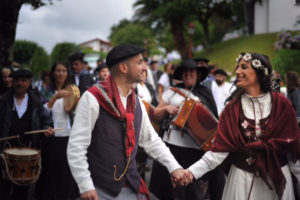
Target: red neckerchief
108 96
281 137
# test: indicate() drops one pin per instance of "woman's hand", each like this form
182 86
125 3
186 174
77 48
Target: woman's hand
63 93
171 110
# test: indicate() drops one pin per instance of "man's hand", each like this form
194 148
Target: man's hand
177 177
188 177
89 195
49 132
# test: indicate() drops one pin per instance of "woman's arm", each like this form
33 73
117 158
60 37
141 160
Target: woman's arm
57 95
163 109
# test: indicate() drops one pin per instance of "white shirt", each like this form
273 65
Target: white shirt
22 107
76 78
176 137
221 93
144 93
87 112
60 117
164 80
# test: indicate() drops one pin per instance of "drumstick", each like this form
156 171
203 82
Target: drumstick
42 131
9 138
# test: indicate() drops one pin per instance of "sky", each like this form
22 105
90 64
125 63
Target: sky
74 21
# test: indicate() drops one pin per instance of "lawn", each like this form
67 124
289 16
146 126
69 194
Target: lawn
224 54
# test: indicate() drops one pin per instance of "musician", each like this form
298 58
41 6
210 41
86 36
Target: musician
80 77
181 144
257 135
21 111
110 122
56 181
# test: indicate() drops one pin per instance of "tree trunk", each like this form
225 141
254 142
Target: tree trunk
206 33
9 13
177 29
249 15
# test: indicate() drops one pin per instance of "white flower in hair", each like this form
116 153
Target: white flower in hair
238 58
266 71
247 57
256 63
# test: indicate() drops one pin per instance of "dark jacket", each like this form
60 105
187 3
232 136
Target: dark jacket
85 82
40 117
294 97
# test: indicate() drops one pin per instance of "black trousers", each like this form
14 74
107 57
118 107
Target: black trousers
210 185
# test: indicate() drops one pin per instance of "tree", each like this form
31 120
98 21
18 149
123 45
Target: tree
31 55
9 13
62 51
132 33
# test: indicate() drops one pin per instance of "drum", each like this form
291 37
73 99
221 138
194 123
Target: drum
194 118
22 165
70 102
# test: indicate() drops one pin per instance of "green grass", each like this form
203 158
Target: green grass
223 54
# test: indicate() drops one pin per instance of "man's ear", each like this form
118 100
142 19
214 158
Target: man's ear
123 67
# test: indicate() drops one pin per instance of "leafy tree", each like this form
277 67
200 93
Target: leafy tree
62 51
132 33
31 55
9 14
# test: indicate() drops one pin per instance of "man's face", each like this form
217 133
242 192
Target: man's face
136 66
154 66
77 66
103 74
220 79
21 85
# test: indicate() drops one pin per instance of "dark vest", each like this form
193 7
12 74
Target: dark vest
108 149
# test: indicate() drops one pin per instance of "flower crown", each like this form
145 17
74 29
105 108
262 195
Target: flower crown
256 63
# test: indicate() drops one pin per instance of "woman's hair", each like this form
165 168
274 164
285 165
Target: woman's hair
52 78
264 74
292 81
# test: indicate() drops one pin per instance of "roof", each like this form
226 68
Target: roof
96 39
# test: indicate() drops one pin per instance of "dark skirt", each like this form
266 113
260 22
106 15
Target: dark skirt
210 185
56 180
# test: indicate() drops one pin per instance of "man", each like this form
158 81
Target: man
221 89
21 111
156 74
110 123
81 78
102 72
203 62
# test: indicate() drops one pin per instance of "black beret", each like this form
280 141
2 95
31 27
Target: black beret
23 73
76 56
220 71
122 52
201 60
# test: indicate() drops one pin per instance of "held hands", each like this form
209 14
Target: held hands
89 195
181 177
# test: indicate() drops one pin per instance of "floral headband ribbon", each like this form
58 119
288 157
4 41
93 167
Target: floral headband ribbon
256 63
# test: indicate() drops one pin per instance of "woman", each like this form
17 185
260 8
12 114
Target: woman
293 89
258 136
145 91
6 79
165 81
56 181
181 144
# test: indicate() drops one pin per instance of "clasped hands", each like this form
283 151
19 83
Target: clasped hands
181 177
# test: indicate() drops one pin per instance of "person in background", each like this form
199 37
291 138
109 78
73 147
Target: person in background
43 87
155 73
182 145
222 89
110 123
166 80
6 79
56 181
293 89
99 62
80 77
21 111
258 137
102 72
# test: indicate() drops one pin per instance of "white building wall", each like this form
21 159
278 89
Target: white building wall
282 15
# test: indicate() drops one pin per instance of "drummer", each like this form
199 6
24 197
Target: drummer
21 111
182 145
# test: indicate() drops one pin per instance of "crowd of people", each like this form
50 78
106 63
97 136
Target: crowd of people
93 150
